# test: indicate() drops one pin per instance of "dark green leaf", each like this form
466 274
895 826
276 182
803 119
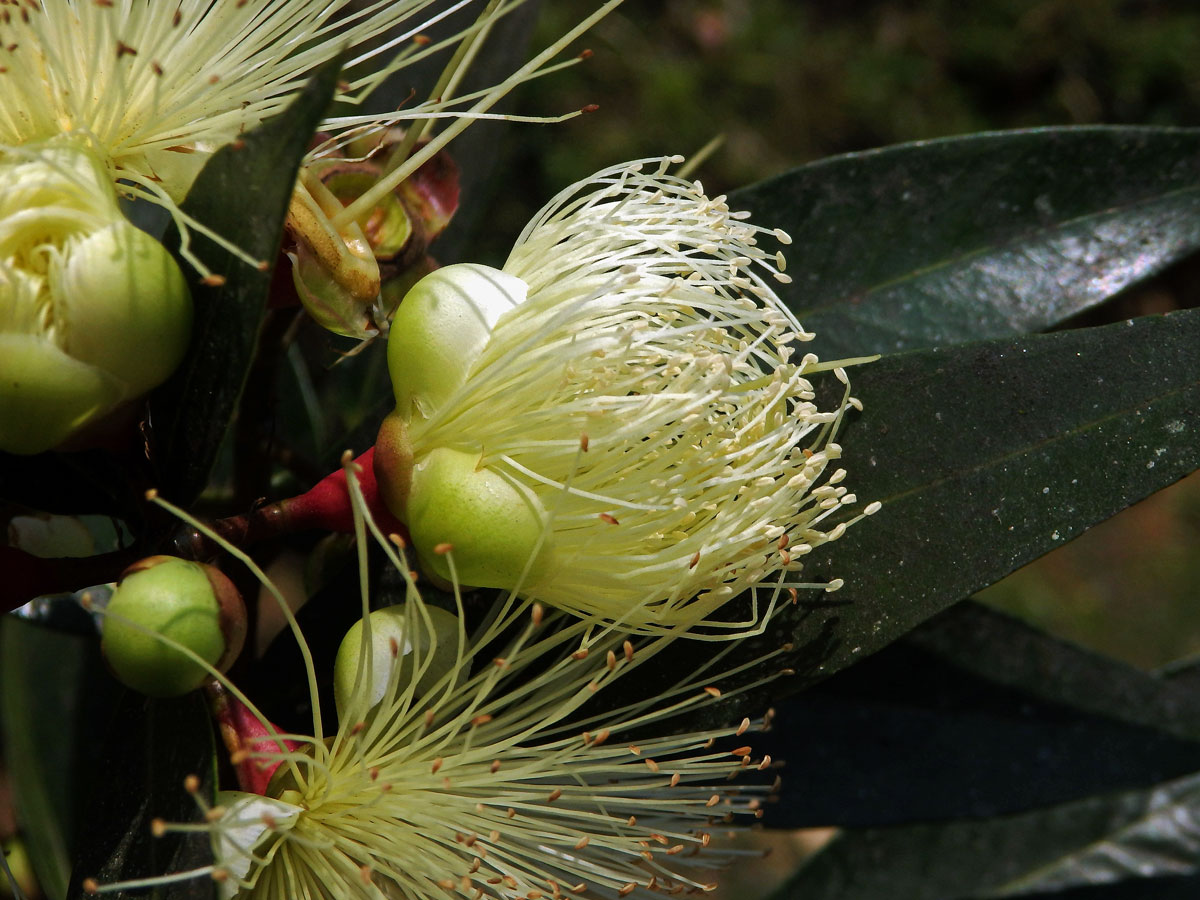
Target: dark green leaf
1162 839
46 729
242 194
1137 834
972 714
91 481
982 236
985 456
1005 651
1183 673
151 746
1167 887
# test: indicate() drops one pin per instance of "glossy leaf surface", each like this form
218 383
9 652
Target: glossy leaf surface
1130 837
148 750
987 235
985 456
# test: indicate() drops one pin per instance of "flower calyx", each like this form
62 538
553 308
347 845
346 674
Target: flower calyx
342 273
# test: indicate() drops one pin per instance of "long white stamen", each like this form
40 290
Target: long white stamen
648 327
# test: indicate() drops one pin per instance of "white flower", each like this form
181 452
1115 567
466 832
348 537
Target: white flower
154 88
130 98
79 287
615 423
497 766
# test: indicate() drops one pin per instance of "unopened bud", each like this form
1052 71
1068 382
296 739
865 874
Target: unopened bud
93 311
401 637
189 603
441 328
334 270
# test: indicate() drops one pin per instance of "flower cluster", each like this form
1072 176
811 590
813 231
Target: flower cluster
500 760
129 99
616 422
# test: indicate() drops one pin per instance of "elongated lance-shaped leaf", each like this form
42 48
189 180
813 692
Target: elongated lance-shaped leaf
984 456
47 720
974 714
150 748
242 194
982 236
1006 651
1100 840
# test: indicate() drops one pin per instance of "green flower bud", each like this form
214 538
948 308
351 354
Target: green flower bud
401 636
441 328
190 603
494 526
93 311
333 269
124 307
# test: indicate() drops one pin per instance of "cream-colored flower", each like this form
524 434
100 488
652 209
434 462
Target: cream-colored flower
79 287
495 760
616 423
156 88
129 99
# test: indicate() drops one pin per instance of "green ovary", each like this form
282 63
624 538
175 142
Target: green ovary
494 528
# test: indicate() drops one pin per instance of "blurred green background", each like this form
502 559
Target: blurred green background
787 81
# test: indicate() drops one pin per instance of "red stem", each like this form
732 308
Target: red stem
244 735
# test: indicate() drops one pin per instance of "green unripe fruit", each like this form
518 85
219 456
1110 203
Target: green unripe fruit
186 602
400 636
